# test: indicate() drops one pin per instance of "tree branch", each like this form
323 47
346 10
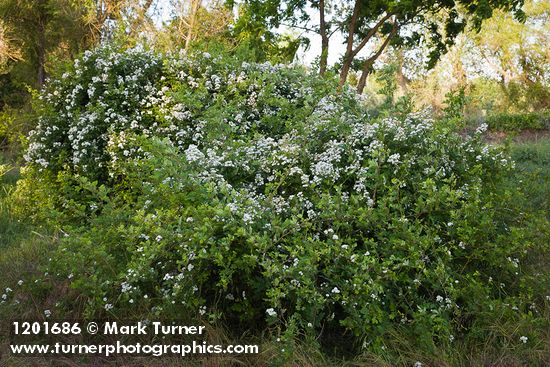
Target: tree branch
370 34
367 66
351 30
348 57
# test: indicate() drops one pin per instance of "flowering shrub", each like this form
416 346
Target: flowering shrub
104 93
257 194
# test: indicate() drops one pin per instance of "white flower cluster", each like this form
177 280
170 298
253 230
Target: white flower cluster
100 96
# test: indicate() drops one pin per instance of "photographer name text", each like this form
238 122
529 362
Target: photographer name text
156 328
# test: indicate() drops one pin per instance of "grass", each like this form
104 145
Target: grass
533 173
12 229
25 248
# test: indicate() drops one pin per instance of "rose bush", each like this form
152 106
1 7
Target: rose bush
259 195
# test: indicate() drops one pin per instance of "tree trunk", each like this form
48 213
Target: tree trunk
141 14
367 69
402 80
348 56
195 4
351 52
41 44
41 51
458 68
526 68
324 38
367 66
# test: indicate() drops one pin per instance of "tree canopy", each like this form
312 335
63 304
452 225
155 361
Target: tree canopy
436 23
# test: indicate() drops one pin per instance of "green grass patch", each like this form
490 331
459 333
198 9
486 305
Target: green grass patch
532 175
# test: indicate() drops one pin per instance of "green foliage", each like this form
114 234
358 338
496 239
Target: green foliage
12 229
257 195
518 121
254 29
455 101
44 30
15 124
517 54
390 105
386 77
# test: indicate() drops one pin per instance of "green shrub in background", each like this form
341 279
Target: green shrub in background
518 121
455 101
14 126
258 196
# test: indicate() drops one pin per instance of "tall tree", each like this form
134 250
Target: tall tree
194 23
369 18
8 50
43 27
516 54
324 38
100 15
30 20
369 62
256 26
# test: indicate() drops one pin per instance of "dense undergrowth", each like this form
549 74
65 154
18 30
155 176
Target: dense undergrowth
259 199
